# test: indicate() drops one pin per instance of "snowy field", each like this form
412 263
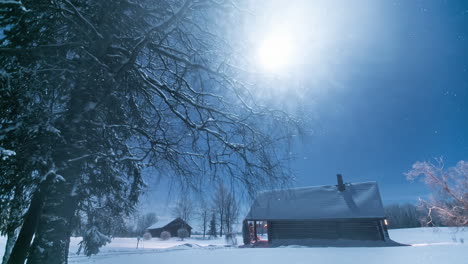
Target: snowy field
429 246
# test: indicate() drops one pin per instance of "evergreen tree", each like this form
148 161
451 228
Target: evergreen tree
212 231
94 91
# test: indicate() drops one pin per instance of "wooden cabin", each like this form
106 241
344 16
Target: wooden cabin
316 214
170 226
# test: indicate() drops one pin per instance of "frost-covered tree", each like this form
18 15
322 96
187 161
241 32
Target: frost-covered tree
226 207
449 200
220 200
19 169
231 212
184 208
203 212
93 92
144 221
182 233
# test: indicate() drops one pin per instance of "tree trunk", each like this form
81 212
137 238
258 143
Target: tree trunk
52 238
14 226
31 219
204 228
221 225
245 232
10 243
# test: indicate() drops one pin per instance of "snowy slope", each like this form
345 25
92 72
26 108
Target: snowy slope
430 246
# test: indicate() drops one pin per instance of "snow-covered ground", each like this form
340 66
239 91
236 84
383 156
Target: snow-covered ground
429 246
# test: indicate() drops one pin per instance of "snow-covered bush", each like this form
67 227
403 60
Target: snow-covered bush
165 235
182 233
147 236
93 239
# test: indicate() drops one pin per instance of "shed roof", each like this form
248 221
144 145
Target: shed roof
358 200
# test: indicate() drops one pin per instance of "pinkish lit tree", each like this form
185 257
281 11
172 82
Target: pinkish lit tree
449 199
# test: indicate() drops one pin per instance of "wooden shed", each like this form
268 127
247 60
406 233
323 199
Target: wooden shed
170 226
316 214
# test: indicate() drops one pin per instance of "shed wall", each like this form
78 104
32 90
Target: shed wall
172 228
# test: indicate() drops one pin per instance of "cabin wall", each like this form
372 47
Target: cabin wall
353 229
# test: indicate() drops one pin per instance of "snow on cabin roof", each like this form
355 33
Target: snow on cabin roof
358 200
160 224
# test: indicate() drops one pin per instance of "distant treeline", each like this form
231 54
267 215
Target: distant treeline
407 216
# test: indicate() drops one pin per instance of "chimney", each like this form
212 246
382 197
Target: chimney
341 187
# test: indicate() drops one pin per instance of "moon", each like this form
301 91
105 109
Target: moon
276 51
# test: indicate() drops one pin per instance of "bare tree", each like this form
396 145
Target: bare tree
204 216
184 209
231 212
144 221
226 207
219 205
449 200
182 233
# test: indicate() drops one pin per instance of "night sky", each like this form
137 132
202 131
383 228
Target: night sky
382 84
402 98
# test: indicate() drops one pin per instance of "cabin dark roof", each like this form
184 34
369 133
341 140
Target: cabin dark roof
162 224
358 200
